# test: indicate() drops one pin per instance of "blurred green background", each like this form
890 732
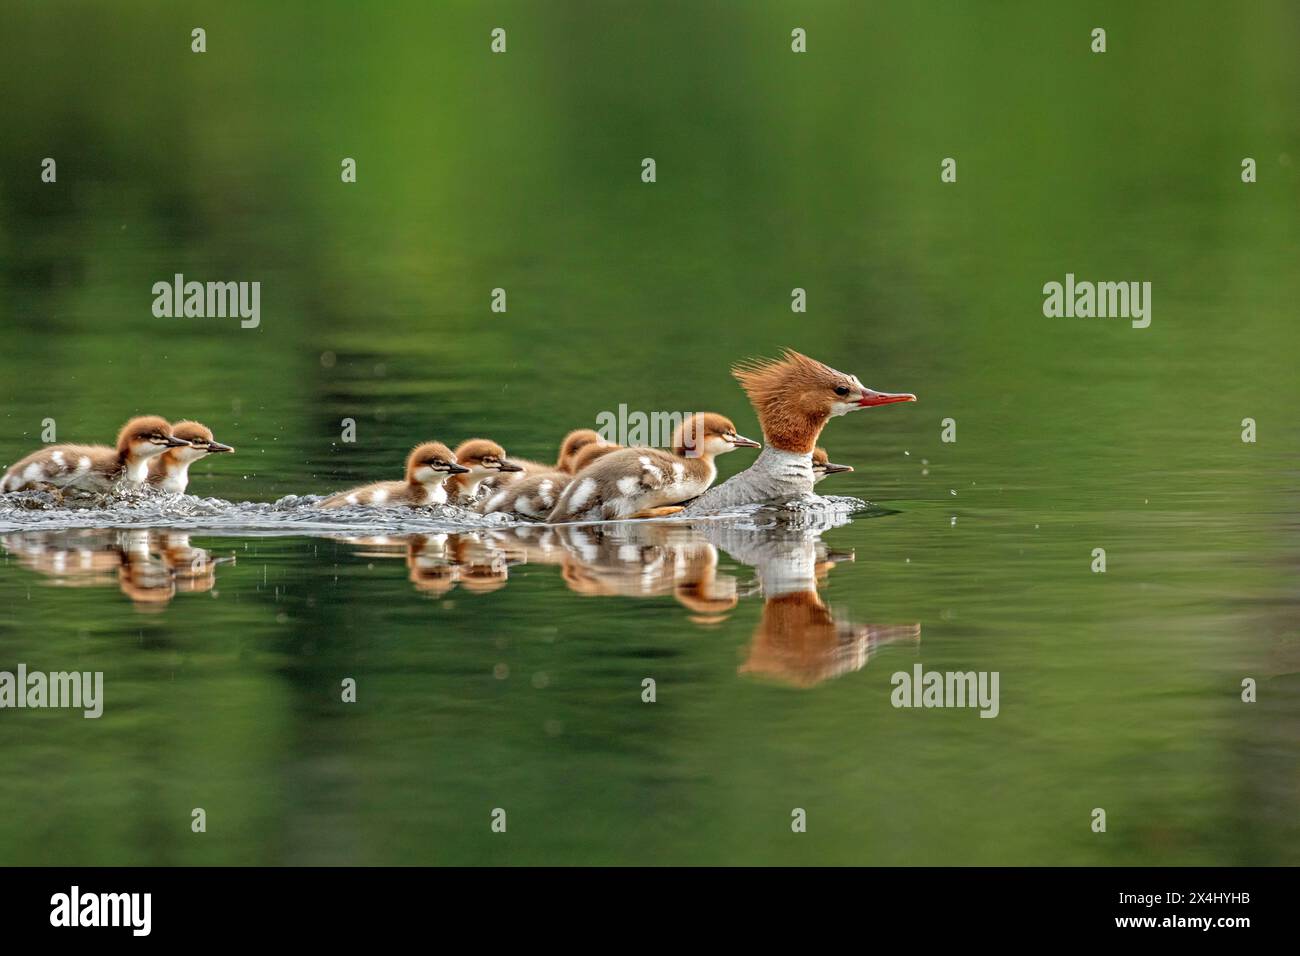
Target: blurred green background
775 171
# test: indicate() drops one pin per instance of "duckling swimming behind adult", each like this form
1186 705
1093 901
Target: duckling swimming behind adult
482 459
427 467
575 442
645 482
96 468
170 471
534 496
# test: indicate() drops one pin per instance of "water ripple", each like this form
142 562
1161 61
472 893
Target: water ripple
298 514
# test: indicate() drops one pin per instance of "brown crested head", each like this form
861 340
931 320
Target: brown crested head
795 396
706 434
590 453
482 455
574 443
200 438
147 435
431 461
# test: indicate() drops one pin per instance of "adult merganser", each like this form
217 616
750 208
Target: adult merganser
427 467
481 459
647 482
96 467
170 471
534 496
794 396
823 466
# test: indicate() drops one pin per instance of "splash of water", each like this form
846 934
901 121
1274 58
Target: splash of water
299 514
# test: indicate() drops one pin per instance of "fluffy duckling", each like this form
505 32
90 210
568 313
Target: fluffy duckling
482 459
573 443
427 467
534 496
823 466
586 455
794 396
96 468
644 482
170 471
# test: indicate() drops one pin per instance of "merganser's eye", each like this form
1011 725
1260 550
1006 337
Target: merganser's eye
841 390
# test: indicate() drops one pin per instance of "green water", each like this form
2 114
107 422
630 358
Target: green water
499 675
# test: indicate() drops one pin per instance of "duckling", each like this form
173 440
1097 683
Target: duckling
589 453
573 443
427 467
648 482
96 468
482 459
534 496
794 396
823 466
170 471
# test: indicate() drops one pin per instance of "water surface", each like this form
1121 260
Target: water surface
504 668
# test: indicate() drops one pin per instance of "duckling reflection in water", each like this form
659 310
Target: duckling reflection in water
798 641
437 563
646 560
150 567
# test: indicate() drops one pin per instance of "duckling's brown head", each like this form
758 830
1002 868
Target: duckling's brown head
432 463
590 453
706 434
574 443
823 466
200 439
146 436
795 396
483 457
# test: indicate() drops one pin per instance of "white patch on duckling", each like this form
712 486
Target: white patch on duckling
582 494
379 497
628 485
351 499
